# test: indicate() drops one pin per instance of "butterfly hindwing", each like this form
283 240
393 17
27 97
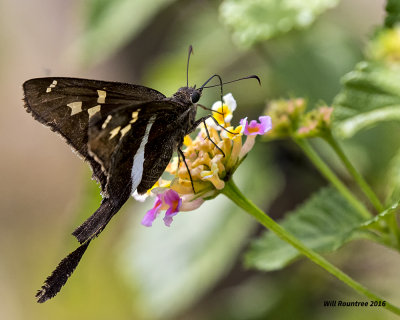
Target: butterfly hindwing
142 152
147 144
166 137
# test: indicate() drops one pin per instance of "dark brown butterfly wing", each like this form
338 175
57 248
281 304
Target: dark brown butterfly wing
67 104
146 137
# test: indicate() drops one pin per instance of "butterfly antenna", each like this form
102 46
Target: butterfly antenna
187 66
216 85
220 84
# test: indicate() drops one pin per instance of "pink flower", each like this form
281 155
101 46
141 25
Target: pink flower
152 214
168 200
172 199
189 204
254 128
251 130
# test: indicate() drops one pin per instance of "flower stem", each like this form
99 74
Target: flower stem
330 176
394 231
234 194
356 175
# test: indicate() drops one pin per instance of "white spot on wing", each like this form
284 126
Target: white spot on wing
134 116
125 130
93 110
138 159
114 132
53 85
76 107
102 96
105 123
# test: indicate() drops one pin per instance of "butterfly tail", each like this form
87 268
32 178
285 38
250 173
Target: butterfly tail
60 275
98 221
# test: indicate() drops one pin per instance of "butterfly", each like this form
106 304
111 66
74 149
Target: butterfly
127 133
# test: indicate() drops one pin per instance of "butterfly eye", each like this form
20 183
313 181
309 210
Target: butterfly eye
195 96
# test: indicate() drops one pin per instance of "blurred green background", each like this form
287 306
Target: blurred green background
192 270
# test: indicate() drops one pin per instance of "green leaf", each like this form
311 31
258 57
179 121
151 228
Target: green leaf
393 13
254 21
370 94
112 23
324 223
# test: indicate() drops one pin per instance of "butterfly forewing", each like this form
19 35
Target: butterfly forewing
67 106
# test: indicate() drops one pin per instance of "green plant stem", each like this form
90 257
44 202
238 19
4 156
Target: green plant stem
395 232
331 176
355 174
234 194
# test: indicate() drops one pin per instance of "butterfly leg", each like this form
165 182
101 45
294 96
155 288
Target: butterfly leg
222 127
203 120
209 138
208 109
187 168
179 162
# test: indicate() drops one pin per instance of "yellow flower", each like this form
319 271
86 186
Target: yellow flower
212 176
223 112
232 133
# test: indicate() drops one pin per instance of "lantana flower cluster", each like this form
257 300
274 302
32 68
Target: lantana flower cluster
291 119
315 123
211 161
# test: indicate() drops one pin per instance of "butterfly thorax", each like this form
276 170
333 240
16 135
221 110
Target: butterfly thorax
187 98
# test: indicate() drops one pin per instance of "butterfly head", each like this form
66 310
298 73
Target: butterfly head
188 95
195 95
